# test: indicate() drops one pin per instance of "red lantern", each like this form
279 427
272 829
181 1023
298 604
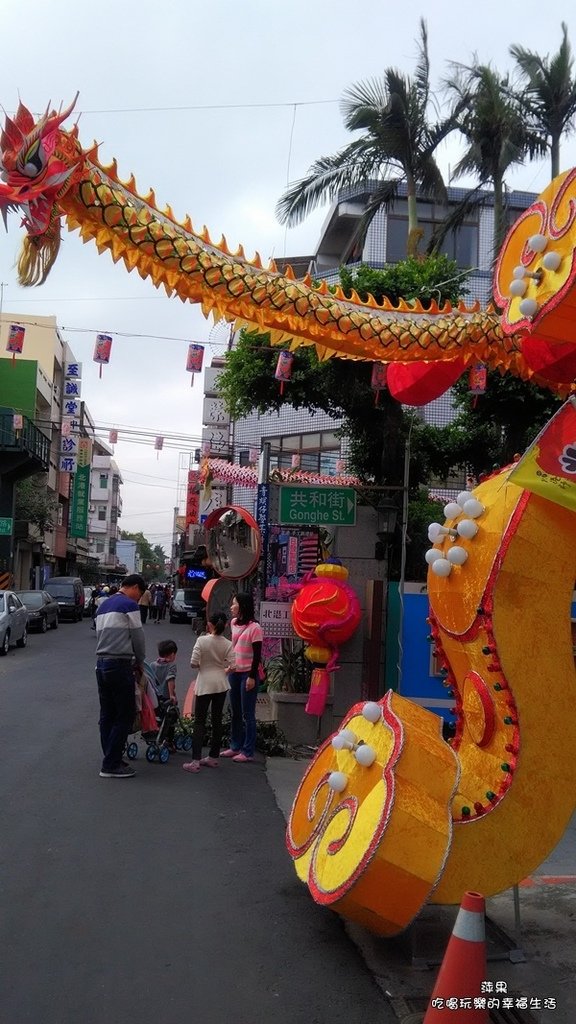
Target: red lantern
15 342
102 350
283 371
325 613
555 361
194 360
477 377
113 437
420 383
378 379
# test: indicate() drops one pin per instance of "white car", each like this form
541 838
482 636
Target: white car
13 621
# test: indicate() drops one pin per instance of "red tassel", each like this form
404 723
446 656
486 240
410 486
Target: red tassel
319 689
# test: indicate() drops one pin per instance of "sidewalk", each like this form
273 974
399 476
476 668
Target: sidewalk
536 959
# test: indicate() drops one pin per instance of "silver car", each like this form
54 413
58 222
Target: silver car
13 621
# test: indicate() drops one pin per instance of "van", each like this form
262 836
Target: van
68 591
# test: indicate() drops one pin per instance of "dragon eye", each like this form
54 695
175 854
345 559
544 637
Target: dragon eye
33 161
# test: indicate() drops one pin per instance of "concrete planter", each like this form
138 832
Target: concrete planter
299 728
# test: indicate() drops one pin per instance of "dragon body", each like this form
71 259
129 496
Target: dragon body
49 176
376 837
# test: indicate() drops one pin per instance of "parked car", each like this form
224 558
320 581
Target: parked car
185 606
13 621
42 609
68 591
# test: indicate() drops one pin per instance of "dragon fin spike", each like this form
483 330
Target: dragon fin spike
308 280
187 224
223 245
323 287
289 273
257 262
168 211
205 235
240 254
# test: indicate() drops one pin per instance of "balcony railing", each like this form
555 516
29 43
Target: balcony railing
28 439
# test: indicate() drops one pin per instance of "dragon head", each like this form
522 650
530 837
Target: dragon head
37 163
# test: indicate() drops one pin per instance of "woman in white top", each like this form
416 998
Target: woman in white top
213 655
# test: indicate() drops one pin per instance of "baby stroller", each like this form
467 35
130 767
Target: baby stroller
157 721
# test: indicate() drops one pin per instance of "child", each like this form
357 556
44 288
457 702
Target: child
213 655
165 670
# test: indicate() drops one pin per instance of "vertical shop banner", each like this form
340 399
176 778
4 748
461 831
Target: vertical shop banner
81 490
192 497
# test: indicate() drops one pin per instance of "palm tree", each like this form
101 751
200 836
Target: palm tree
496 138
550 95
397 139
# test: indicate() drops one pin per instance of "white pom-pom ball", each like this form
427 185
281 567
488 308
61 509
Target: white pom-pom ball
462 497
434 532
372 711
457 555
467 528
538 242
452 509
473 508
365 755
432 554
551 260
347 735
441 567
519 273
528 307
338 742
337 781
518 288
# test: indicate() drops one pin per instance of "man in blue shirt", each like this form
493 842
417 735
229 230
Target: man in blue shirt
120 652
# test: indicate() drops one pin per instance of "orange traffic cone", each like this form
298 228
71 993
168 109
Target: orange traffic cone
463 969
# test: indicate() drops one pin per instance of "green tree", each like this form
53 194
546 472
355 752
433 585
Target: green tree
397 143
489 432
496 137
549 98
34 504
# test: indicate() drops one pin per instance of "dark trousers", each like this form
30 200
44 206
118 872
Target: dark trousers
143 613
201 705
116 690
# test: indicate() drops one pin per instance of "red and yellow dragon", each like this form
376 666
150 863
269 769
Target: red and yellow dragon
375 838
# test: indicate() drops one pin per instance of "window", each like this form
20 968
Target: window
318 452
102 513
460 245
100 547
103 481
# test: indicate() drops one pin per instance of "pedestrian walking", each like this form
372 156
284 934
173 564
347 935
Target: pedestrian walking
247 642
158 603
213 656
144 605
120 652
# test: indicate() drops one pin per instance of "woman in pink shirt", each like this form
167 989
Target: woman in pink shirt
247 643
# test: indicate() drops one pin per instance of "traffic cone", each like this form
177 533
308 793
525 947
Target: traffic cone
463 968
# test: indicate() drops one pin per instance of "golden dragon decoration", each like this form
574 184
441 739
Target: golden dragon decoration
49 176
390 816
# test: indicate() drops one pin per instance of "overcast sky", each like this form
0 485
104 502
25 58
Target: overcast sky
216 106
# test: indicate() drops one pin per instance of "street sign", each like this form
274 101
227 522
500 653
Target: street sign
6 526
318 506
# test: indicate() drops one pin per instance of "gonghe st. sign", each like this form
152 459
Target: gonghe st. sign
317 506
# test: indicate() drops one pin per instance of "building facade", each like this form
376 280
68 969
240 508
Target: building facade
105 508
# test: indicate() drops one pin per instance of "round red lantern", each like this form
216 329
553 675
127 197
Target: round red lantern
325 613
